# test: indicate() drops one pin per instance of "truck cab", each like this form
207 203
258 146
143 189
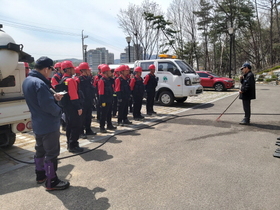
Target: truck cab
176 80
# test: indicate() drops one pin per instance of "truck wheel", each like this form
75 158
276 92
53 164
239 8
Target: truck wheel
8 137
166 98
219 87
181 100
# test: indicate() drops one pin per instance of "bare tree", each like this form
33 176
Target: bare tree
180 13
133 23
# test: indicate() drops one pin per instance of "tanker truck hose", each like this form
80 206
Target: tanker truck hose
155 122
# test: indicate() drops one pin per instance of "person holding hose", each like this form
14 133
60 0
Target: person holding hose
247 91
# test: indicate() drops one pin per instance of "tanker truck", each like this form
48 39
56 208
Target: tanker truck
14 113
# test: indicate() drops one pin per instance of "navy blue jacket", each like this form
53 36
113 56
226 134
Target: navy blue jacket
45 113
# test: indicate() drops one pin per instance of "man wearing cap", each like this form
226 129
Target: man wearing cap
105 92
45 115
247 91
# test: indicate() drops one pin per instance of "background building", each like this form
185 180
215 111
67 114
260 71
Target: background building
99 56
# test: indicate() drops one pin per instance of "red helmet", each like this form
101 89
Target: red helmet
26 65
138 69
66 64
152 66
77 70
99 66
57 65
127 67
84 65
121 68
105 68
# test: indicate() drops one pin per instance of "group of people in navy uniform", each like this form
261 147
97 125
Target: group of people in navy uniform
109 92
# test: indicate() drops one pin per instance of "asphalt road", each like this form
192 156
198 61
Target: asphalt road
188 162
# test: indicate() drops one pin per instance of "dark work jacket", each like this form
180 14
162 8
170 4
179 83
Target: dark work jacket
87 89
139 88
152 83
248 87
106 95
76 99
125 92
45 113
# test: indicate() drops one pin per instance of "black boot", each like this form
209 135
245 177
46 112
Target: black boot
245 121
52 182
39 170
103 130
127 122
90 132
111 127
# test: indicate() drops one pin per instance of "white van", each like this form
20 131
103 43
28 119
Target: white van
176 80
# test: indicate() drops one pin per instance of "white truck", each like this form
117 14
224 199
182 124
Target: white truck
14 113
177 80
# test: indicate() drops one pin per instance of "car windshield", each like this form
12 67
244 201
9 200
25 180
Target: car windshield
214 75
186 68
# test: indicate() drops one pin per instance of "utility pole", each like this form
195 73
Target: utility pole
83 37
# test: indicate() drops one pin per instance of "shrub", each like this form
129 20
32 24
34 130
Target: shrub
268 80
269 70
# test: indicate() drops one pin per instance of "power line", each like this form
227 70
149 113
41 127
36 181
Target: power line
36 28
53 31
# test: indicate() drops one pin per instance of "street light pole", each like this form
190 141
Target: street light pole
230 31
85 52
128 40
83 37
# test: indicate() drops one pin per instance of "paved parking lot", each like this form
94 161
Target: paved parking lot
23 148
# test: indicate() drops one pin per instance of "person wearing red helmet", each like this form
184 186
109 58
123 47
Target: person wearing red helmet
27 70
95 84
87 89
72 106
116 74
105 92
56 78
123 92
150 82
138 89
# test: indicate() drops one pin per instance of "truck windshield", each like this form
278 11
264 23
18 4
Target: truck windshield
186 68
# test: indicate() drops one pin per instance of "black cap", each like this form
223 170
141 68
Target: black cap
43 62
246 65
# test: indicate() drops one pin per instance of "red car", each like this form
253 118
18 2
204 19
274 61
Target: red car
210 80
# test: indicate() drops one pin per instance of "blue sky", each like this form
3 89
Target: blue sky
65 19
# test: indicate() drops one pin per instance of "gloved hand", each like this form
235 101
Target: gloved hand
103 104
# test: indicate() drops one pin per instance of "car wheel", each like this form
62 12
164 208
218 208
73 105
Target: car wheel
166 98
219 87
181 100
